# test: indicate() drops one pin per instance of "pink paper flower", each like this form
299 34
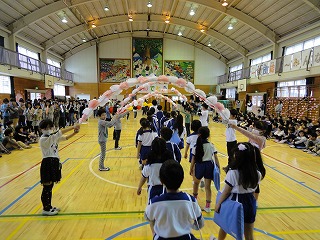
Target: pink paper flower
181 82
163 78
124 85
93 103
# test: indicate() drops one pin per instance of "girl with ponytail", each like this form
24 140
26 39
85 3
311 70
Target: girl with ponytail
202 164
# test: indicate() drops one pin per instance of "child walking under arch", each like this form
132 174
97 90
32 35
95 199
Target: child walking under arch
241 182
202 164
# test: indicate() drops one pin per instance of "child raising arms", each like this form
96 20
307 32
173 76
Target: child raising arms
50 169
241 181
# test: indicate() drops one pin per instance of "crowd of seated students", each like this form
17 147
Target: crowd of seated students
297 133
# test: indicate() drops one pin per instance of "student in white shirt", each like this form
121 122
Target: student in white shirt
50 169
231 135
204 114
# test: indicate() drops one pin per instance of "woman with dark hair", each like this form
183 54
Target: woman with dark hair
202 164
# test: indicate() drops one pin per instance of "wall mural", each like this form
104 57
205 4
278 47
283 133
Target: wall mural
147 56
180 68
114 70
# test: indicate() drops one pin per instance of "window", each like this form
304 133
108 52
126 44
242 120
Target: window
302 46
59 90
231 93
28 59
262 59
235 74
5 86
53 68
296 88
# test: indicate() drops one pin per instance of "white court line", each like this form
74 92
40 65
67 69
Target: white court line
115 183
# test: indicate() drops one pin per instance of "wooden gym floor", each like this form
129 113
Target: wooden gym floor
104 205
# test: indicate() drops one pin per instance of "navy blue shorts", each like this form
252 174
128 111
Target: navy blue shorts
249 206
204 169
144 152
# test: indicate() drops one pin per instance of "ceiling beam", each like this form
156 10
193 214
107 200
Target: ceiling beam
60 5
315 4
246 19
143 17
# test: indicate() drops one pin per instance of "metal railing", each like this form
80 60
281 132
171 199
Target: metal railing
274 66
14 59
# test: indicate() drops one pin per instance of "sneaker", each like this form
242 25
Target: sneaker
52 212
282 141
118 148
104 169
309 151
292 146
57 209
202 184
315 154
305 150
207 210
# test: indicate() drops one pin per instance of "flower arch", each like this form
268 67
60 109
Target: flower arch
115 90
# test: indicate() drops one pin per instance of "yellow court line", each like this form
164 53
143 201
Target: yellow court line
296 232
36 209
290 191
129 216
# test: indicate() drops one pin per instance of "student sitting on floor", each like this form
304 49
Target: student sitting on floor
299 142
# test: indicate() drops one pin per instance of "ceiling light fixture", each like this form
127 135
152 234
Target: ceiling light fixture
106 8
209 44
130 19
192 12
84 40
230 27
64 20
149 5
179 33
93 25
167 19
224 3
202 30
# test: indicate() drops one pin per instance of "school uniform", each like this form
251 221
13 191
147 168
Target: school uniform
244 196
204 169
174 215
204 118
155 187
146 138
172 147
191 141
231 138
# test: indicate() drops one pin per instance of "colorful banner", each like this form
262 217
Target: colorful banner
180 69
114 70
305 57
253 71
154 87
316 56
296 61
287 63
147 56
265 67
272 69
